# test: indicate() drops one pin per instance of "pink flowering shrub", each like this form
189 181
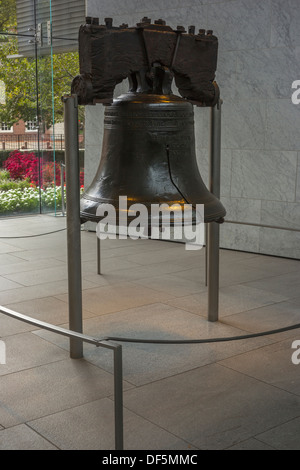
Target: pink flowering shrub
21 166
25 166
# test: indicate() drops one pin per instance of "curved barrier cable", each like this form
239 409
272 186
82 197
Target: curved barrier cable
32 236
202 341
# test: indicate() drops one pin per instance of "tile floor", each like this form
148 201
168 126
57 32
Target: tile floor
233 395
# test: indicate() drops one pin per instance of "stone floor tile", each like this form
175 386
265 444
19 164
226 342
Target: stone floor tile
8 260
142 362
94 423
40 391
276 266
251 444
232 299
25 351
286 284
6 284
8 247
20 266
22 437
170 284
270 317
213 407
46 289
108 299
271 364
39 276
283 437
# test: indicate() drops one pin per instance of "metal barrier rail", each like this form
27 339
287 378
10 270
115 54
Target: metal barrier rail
118 366
252 224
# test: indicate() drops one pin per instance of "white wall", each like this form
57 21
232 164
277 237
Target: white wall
259 58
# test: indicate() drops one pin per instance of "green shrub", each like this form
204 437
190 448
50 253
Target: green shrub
4 175
6 185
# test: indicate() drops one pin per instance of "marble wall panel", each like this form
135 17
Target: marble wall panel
91 165
279 243
204 165
243 124
298 180
202 127
282 214
242 210
264 174
93 140
226 76
194 14
94 116
139 7
282 127
240 24
285 21
214 1
97 8
226 172
266 73
174 12
239 237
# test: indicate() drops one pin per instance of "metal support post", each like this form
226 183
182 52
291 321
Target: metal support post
98 256
213 230
73 222
118 389
62 185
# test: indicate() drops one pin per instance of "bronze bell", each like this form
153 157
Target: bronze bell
148 152
148 155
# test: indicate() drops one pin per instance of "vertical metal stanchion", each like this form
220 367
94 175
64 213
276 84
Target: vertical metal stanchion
213 230
73 222
98 256
118 389
62 185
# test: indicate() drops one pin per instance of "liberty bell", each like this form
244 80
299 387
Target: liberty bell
148 149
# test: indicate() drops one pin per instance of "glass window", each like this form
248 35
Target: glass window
38 60
31 125
5 127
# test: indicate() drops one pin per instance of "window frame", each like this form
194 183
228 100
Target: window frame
5 131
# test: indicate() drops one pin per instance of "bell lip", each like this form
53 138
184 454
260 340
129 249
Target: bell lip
152 98
220 218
